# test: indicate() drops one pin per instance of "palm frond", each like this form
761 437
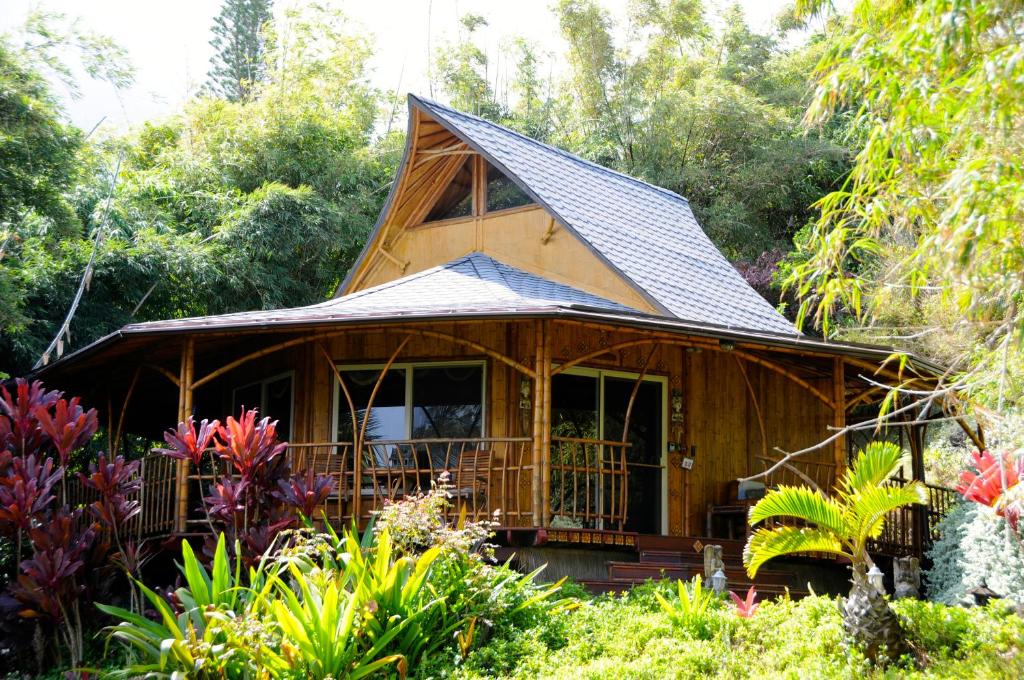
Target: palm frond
876 462
766 544
802 503
870 507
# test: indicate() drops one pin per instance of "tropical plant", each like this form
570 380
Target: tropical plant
995 482
252 495
695 609
843 525
745 606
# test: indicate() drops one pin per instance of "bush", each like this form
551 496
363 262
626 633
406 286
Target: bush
974 547
319 605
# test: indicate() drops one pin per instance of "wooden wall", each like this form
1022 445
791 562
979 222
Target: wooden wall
723 428
527 238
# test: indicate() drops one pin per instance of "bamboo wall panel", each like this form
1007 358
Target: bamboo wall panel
724 426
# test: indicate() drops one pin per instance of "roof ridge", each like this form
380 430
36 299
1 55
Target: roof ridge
555 149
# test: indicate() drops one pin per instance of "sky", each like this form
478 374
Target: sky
168 42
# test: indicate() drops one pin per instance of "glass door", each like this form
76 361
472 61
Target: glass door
589 406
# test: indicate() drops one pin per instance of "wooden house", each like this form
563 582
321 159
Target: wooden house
562 339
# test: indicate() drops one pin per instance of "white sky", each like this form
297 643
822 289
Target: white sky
168 42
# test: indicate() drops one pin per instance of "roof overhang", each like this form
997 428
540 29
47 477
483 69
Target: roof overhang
638 321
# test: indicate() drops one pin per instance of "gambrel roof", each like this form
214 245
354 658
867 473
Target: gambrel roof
647 234
472 284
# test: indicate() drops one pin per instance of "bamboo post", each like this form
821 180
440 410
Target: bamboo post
538 417
839 408
184 411
546 424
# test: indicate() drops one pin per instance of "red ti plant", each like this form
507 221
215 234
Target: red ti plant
996 483
69 427
254 498
187 444
307 492
114 481
51 581
745 607
20 433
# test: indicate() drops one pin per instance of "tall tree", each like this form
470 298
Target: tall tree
933 212
238 65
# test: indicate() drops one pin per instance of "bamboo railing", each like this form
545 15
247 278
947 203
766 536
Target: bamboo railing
913 529
489 477
589 486
156 498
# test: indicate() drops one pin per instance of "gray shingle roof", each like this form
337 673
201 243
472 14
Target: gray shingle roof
473 283
646 232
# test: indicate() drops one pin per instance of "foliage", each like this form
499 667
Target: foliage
425 519
974 547
227 206
929 219
691 614
629 635
320 605
237 65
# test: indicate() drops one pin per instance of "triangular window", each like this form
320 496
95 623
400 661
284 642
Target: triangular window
457 199
503 193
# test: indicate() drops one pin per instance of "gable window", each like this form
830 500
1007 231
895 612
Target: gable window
414 401
272 396
457 198
502 192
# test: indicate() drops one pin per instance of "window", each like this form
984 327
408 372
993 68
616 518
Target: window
502 192
273 398
414 401
457 199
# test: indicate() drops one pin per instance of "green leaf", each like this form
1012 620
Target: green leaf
802 503
766 544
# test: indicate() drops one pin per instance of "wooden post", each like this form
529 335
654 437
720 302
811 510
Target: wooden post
536 492
839 408
545 433
184 411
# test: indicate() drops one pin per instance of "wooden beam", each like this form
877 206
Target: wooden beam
839 410
545 444
185 389
538 417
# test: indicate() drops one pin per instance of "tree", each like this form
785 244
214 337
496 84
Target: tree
237 65
842 526
461 68
227 206
931 218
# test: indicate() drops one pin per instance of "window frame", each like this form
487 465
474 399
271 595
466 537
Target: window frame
478 194
410 367
264 383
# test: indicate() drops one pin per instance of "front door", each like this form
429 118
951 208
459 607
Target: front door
592 405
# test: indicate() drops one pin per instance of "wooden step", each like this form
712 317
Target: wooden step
638 572
687 545
641 571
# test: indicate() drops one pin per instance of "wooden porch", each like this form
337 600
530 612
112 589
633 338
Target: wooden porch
675 418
